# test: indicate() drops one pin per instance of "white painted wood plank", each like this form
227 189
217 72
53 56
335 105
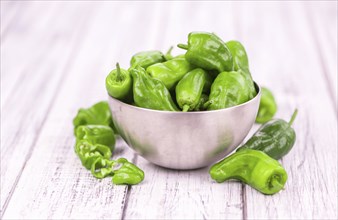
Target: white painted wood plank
170 194
24 111
283 58
61 187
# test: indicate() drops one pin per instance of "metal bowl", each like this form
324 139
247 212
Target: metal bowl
184 140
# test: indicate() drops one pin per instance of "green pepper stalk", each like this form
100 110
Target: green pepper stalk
228 89
252 167
119 84
208 51
88 153
267 106
189 89
147 58
98 114
275 138
170 72
96 134
200 106
151 93
168 55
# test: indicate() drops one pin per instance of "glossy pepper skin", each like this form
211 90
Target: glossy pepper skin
208 51
98 114
228 89
275 138
252 167
189 89
122 171
119 84
96 134
147 58
267 106
88 152
150 93
171 71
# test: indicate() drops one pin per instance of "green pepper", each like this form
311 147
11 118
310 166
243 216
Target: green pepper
98 114
208 51
228 89
102 168
170 72
147 58
126 173
88 152
151 93
267 106
252 167
119 84
96 134
200 106
189 89
275 138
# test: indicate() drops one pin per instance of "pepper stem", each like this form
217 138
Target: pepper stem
183 46
118 72
169 51
293 117
185 108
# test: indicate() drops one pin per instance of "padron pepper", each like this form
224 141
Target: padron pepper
228 89
189 89
147 58
275 138
171 71
96 134
119 84
252 167
88 152
122 171
98 114
267 106
208 51
151 93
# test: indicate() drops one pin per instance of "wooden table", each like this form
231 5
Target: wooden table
54 59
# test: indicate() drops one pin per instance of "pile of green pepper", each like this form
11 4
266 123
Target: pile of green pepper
95 142
211 75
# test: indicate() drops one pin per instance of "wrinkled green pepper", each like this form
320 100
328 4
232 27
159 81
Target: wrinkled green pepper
122 171
170 72
252 167
119 84
200 106
126 173
88 153
208 51
275 138
98 114
150 93
96 134
267 106
189 89
228 89
147 58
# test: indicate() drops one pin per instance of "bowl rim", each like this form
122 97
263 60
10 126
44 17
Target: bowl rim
258 89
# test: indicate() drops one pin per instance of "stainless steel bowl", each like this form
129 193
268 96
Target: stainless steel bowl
184 140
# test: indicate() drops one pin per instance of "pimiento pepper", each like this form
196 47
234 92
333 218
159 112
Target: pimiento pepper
252 167
119 84
88 152
228 89
275 138
96 134
267 106
200 106
123 172
151 93
208 51
171 71
126 173
98 114
189 89
147 58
